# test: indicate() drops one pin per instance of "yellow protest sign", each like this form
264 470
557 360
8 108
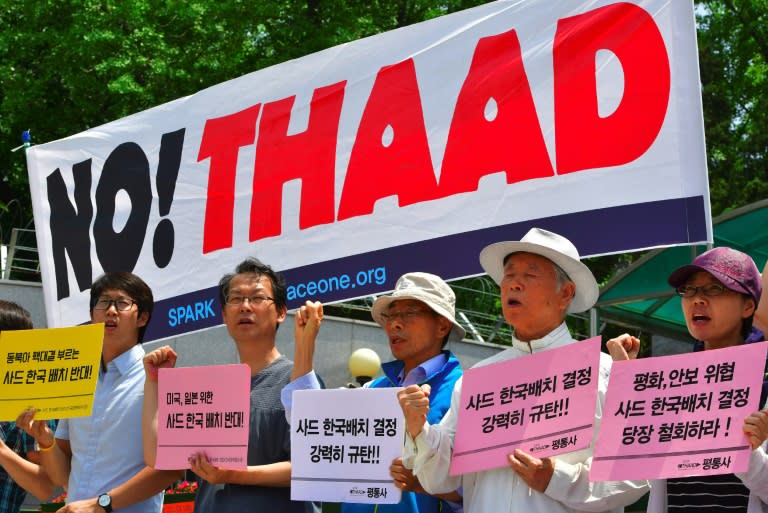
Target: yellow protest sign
52 370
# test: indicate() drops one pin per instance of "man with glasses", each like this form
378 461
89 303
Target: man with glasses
419 319
253 301
99 459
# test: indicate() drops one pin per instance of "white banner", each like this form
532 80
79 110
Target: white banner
409 150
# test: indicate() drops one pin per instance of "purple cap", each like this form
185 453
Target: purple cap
734 269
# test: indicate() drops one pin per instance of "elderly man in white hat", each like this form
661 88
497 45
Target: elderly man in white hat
541 280
419 319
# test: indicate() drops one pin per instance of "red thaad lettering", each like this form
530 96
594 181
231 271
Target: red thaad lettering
391 154
495 128
584 140
509 137
310 155
222 139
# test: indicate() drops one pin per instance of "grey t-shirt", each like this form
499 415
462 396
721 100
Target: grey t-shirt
269 441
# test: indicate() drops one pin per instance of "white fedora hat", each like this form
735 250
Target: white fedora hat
554 247
430 290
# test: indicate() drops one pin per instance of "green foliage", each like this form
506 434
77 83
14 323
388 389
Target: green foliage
733 55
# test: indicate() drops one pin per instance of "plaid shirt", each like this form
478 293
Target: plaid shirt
11 495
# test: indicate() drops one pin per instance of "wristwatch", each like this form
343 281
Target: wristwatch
105 501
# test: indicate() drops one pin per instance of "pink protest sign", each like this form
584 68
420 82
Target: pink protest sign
543 404
203 409
681 415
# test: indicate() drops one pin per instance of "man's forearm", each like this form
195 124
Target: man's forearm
146 483
273 474
303 356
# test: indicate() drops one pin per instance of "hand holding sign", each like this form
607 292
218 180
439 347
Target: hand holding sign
756 428
623 347
404 477
162 358
534 471
37 429
414 400
202 467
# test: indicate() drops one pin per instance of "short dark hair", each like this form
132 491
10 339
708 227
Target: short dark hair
14 317
132 285
255 266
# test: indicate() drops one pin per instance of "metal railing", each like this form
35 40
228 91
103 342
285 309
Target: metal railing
22 261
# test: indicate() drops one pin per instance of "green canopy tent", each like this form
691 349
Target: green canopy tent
640 297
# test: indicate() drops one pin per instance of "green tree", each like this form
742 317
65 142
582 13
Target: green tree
733 56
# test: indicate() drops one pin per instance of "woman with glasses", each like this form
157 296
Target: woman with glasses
719 291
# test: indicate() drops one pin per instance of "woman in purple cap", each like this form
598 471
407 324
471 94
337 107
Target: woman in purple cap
720 291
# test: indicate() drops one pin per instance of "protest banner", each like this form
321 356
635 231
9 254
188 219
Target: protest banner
582 117
203 409
543 404
342 444
678 416
51 370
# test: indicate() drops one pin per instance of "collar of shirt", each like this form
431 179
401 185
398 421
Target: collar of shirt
555 336
423 371
124 362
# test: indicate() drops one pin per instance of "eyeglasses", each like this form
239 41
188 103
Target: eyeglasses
713 289
254 300
121 305
405 316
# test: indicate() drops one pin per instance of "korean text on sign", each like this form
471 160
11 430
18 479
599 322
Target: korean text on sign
203 409
52 370
543 404
342 444
681 415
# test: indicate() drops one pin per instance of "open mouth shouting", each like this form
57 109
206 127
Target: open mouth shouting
245 321
700 319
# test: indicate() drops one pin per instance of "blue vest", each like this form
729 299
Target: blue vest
442 383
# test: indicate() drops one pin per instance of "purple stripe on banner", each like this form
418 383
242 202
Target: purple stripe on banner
454 256
182 314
